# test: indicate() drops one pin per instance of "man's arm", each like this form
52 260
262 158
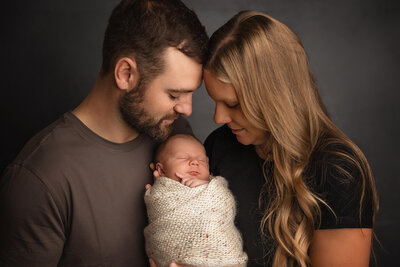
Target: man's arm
31 227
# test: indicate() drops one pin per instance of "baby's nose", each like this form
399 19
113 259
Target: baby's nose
194 162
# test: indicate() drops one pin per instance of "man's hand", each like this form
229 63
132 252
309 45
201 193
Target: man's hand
172 264
156 174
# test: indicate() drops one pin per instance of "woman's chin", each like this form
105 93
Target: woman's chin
243 140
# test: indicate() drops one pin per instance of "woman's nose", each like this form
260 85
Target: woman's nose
221 115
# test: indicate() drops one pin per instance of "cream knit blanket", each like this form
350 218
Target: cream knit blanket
192 226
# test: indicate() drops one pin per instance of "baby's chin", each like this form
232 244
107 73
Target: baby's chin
204 176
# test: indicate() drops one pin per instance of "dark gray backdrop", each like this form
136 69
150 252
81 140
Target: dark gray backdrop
51 54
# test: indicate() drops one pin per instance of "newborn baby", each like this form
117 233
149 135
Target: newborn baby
183 159
191 214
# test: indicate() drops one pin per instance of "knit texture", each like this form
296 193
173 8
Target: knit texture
192 226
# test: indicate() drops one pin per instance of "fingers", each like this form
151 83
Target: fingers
180 176
156 174
148 186
152 166
172 264
152 263
190 182
186 181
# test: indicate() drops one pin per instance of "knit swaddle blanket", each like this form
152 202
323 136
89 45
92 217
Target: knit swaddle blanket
192 226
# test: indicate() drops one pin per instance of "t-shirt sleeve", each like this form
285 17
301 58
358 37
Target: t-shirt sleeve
31 228
343 195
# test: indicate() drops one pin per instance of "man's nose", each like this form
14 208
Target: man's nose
184 106
221 115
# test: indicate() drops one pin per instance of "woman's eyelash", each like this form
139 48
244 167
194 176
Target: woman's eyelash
232 106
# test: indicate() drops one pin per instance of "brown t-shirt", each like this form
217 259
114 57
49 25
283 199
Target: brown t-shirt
72 198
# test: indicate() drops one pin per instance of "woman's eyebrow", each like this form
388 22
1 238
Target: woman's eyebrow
180 91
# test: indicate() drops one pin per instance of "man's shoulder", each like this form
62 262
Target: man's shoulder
45 137
49 146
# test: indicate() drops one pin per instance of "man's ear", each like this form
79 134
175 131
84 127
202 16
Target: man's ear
160 169
126 73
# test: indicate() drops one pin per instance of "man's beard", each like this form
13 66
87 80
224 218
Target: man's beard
135 115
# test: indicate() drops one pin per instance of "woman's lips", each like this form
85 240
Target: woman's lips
237 131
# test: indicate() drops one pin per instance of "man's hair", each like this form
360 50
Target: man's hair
143 29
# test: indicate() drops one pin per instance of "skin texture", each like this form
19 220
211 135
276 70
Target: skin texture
184 159
170 93
341 247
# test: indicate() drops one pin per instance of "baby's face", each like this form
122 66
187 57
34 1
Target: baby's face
187 157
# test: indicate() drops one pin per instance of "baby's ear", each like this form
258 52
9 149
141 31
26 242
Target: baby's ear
160 169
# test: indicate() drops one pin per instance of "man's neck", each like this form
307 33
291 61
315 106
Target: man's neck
100 112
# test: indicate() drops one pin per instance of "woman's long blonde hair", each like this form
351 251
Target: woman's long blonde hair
266 64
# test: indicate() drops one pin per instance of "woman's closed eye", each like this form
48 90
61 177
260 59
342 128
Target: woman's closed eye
232 105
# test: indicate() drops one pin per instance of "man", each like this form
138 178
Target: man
74 194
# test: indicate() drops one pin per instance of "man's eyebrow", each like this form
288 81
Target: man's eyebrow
181 91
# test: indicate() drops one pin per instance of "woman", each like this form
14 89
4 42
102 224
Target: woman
305 192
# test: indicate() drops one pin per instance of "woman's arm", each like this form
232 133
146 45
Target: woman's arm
349 247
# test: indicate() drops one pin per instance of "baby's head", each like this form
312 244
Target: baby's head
182 154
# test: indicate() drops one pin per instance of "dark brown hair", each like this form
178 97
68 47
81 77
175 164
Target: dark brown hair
143 29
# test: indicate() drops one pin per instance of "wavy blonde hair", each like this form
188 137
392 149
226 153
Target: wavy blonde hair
267 66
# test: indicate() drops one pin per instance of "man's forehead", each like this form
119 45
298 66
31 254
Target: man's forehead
184 72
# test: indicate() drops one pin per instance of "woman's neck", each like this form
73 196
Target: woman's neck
264 151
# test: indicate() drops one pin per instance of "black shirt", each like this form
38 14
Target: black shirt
242 167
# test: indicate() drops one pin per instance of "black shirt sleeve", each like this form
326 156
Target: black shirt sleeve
31 228
342 192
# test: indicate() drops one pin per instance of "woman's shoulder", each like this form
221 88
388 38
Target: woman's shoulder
335 174
335 159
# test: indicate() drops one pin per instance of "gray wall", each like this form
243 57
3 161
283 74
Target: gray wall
51 54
